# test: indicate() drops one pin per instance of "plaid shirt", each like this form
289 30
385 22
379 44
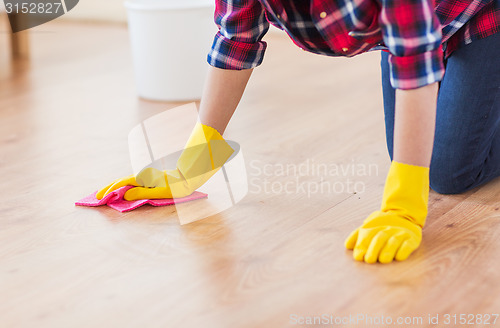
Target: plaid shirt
417 33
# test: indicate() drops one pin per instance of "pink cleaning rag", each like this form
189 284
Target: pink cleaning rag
115 200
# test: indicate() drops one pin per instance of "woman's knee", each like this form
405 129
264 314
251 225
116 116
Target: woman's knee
452 178
446 183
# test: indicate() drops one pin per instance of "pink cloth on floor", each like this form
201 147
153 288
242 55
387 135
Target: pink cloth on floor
115 200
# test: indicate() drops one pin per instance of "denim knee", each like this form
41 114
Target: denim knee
449 181
445 184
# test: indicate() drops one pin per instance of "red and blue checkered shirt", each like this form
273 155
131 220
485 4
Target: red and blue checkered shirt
419 34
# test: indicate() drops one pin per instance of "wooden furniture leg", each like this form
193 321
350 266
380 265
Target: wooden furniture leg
20 46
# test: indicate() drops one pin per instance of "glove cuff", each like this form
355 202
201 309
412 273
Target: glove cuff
406 192
205 150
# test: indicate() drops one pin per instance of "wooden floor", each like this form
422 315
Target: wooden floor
64 120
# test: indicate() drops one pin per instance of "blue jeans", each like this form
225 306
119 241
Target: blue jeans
467 142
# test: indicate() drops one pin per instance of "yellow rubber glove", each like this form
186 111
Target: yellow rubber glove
204 154
395 231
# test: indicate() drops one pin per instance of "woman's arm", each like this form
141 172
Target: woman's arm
415 120
395 231
221 94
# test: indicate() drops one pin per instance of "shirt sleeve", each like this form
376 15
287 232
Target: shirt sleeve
412 33
238 43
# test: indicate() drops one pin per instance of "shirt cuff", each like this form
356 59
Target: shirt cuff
235 55
415 71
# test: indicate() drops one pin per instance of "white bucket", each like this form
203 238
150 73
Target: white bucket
170 42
